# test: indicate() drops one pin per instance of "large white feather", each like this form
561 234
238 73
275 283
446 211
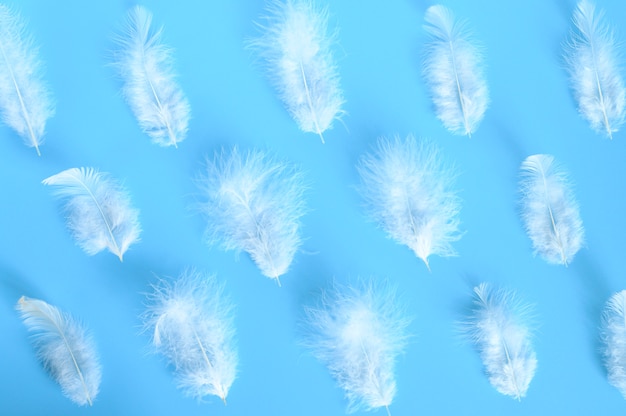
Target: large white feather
358 332
150 86
408 192
591 57
99 211
65 348
191 322
297 51
614 337
500 331
253 203
24 98
549 210
453 69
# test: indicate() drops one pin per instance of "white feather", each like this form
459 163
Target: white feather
453 70
253 203
499 330
192 325
614 337
549 210
591 56
358 332
65 349
99 211
408 192
150 87
297 51
25 101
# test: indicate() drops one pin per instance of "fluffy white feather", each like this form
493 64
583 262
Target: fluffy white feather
499 329
408 192
150 87
65 349
549 210
99 211
358 332
254 203
25 101
453 70
297 50
591 56
191 322
614 337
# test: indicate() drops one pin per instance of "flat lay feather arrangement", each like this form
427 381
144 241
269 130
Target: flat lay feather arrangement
256 202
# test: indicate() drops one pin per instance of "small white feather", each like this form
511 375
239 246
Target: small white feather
254 203
408 192
150 87
499 329
99 211
65 348
453 70
191 322
614 338
358 333
592 62
297 51
549 210
25 101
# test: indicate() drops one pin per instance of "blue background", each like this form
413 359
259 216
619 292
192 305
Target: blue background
378 54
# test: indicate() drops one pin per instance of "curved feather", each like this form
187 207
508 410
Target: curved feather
453 70
192 326
408 191
25 101
499 330
549 210
253 203
65 349
614 338
591 57
358 332
297 51
150 86
99 211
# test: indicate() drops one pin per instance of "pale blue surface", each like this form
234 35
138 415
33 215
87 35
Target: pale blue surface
532 111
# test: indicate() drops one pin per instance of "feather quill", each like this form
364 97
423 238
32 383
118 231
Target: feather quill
614 339
297 51
191 322
253 203
499 330
453 69
25 101
358 332
65 348
150 86
408 191
549 210
99 212
591 57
